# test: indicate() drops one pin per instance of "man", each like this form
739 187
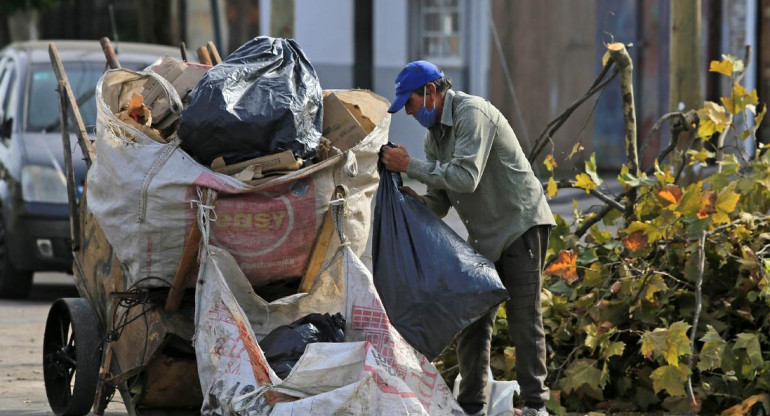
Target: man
475 164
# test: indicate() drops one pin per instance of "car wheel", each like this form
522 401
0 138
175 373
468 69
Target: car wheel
13 283
72 355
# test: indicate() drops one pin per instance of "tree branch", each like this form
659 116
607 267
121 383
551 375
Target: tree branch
545 135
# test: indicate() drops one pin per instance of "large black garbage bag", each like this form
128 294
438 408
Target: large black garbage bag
431 282
264 98
284 345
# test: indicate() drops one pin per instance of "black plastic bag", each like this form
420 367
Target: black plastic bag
284 345
431 282
264 98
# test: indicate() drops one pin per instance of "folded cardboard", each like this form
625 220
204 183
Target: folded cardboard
350 115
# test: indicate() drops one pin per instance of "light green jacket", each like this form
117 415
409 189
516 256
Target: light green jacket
475 164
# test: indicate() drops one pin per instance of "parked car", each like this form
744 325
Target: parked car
34 213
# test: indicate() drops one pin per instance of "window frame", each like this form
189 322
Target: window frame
418 34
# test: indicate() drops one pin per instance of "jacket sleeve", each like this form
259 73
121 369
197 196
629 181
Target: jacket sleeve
474 134
435 199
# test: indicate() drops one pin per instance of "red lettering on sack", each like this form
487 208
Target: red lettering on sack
269 232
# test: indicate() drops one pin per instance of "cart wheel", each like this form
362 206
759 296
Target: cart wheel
71 357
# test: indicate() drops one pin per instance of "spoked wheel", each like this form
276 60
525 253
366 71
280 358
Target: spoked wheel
71 357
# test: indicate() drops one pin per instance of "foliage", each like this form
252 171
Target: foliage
620 303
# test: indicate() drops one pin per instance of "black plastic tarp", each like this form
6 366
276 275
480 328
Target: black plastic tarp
262 99
431 282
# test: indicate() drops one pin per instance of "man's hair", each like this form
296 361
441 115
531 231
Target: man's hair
442 84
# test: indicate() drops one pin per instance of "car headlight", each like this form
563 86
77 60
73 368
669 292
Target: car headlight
43 184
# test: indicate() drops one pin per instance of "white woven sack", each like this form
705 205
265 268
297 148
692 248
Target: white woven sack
140 191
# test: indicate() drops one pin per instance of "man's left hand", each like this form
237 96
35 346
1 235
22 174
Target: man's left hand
396 159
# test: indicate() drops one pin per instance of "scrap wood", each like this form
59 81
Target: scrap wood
109 53
203 56
214 53
61 75
283 161
186 263
318 253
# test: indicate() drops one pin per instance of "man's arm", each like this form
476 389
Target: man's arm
397 158
474 135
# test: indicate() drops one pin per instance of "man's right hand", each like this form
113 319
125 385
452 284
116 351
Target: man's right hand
409 191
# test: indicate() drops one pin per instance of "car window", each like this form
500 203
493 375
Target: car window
5 80
43 101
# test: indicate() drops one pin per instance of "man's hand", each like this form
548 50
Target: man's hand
396 159
409 191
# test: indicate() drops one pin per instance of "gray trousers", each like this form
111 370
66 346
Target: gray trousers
520 268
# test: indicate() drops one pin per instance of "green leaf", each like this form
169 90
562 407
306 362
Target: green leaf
613 349
581 373
750 343
671 379
653 343
587 257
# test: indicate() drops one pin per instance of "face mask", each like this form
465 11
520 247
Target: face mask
427 118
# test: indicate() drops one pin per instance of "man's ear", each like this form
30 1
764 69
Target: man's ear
431 88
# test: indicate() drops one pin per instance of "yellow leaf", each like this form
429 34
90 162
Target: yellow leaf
550 163
584 181
565 266
605 58
727 200
552 188
670 378
677 342
723 67
575 149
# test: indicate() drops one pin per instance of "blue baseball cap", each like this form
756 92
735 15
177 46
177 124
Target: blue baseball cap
413 76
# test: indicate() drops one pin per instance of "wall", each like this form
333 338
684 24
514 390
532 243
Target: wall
549 47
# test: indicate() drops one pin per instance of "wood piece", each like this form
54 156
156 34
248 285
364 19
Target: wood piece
318 253
183 51
203 56
186 263
214 53
109 53
622 59
68 170
61 75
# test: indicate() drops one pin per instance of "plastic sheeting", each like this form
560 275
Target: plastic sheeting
264 98
432 283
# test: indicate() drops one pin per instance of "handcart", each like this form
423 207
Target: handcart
132 329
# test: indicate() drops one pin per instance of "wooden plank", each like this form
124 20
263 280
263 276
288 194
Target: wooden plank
189 255
318 253
61 75
68 170
214 53
203 56
109 53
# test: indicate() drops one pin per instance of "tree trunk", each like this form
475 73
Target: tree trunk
685 61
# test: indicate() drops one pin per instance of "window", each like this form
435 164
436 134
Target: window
440 31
